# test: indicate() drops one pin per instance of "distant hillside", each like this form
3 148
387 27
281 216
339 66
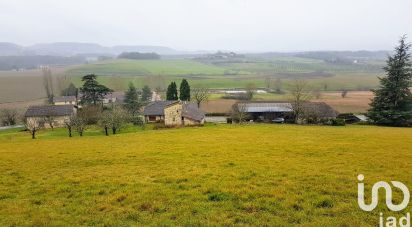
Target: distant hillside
74 48
327 55
10 49
67 48
32 62
144 49
345 55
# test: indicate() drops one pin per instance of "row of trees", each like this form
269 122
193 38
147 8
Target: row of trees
108 118
112 119
184 91
198 95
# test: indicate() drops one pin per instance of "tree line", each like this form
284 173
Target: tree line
198 95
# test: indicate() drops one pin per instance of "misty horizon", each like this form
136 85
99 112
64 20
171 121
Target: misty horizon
196 50
243 26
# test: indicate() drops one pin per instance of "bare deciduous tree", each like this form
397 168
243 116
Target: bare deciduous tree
118 119
250 91
239 112
50 121
157 83
268 82
344 93
300 94
48 83
69 123
278 86
8 117
105 121
316 93
114 119
79 123
33 125
200 95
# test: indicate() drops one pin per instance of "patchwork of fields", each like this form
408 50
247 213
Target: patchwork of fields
259 174
21 89
235 74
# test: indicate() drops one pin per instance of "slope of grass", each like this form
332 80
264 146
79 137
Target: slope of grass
275 175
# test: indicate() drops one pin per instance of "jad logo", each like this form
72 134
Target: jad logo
390 220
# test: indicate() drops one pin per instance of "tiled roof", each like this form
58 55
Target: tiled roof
156 108
45 111
260 107
321 108
190 110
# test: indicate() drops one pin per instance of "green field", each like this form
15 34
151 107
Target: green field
275 175
233 74
148 67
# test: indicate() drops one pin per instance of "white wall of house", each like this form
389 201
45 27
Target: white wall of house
65 103
58 122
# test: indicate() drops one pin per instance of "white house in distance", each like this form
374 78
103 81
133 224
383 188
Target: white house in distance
65 100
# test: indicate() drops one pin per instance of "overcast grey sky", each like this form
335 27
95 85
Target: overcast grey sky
248 25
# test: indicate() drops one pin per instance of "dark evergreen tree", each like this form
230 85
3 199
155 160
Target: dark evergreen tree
392 105
184 91
171 93
131 100
71 90
92 91
146 93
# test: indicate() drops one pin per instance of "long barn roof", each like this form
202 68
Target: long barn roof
49 111
266 107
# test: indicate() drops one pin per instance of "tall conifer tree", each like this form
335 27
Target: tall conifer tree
171 93
184 91
392 104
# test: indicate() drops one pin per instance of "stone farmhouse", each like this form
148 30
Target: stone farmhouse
183 114
58 114
174 113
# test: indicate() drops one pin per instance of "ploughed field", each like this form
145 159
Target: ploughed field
213 175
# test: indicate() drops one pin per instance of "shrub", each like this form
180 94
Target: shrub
324 203
91 114
338 122
218 196
159 125
137 120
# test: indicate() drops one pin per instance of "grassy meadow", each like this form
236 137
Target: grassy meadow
277 175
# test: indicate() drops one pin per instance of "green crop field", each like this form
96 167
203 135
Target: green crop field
233 74
263 175
147 67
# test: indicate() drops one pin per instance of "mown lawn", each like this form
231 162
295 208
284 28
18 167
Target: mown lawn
277 175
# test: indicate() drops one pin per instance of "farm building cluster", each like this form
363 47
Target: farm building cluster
183 113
